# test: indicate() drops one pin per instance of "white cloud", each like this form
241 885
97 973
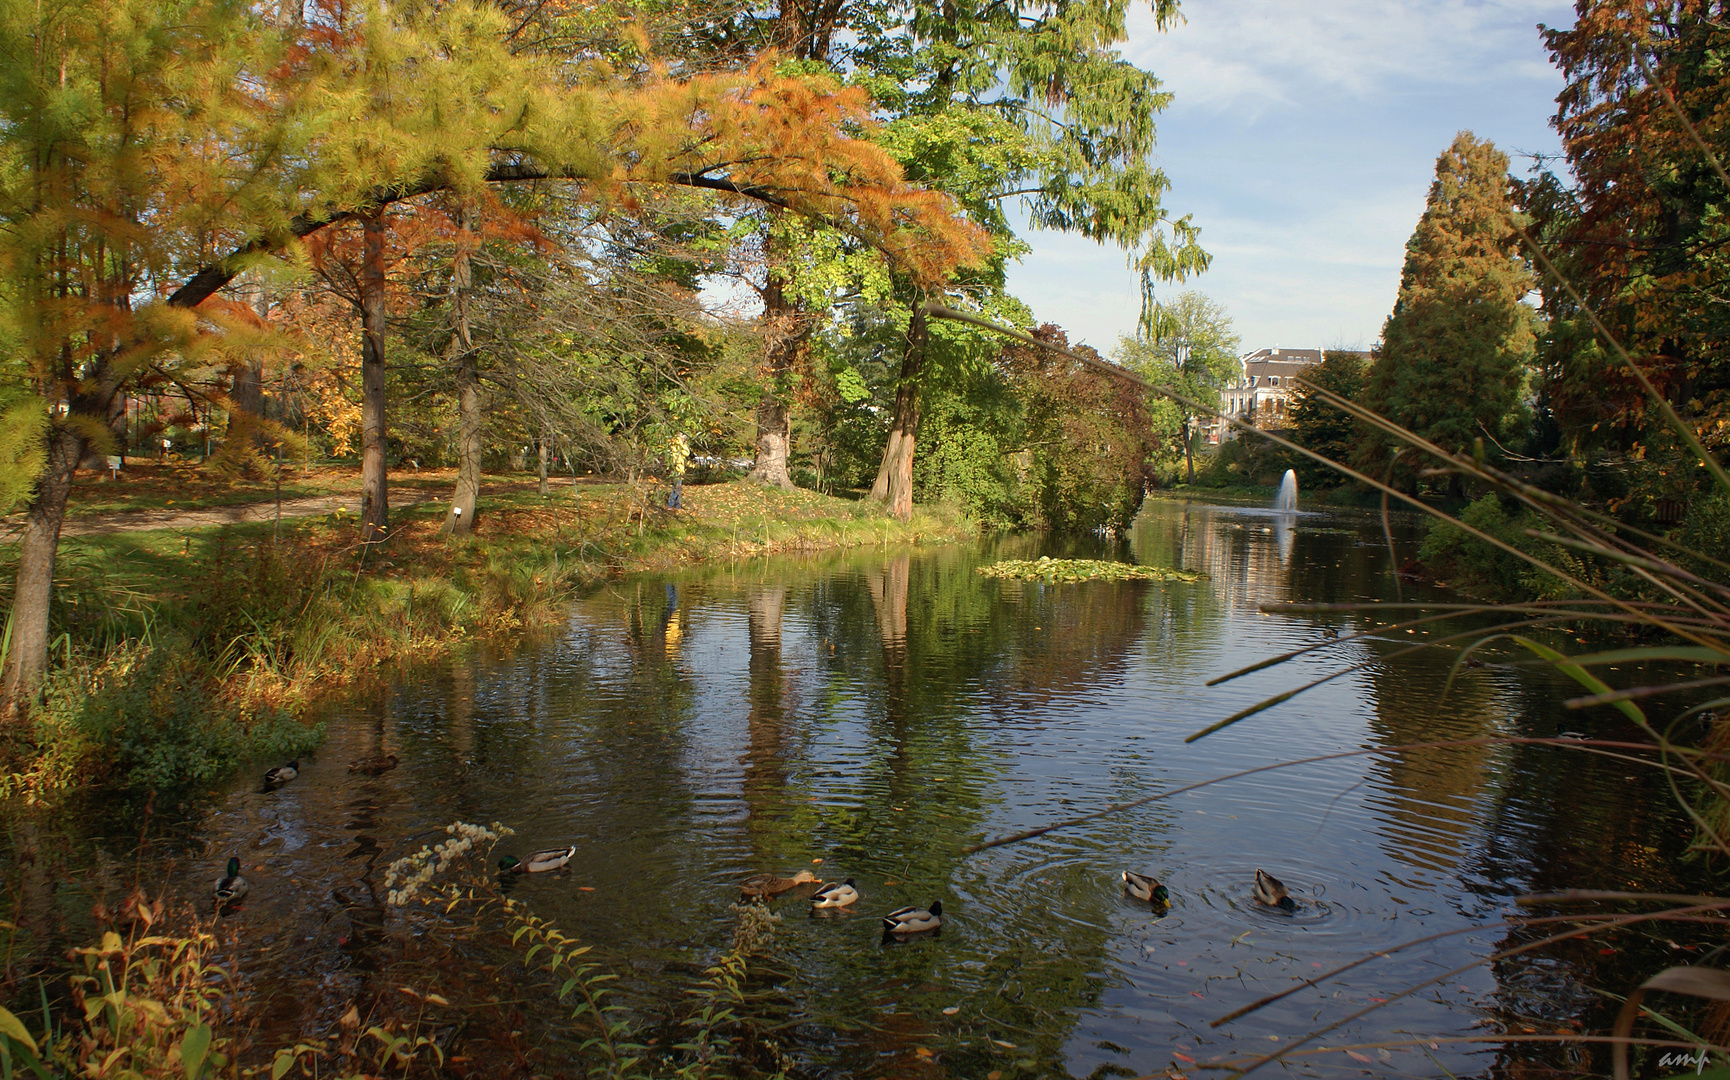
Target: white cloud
1256 55
1303 139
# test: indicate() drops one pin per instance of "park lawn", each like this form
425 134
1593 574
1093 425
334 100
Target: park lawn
153 485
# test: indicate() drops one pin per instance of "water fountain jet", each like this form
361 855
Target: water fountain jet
1286 500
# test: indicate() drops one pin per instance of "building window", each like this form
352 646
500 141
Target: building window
1273 380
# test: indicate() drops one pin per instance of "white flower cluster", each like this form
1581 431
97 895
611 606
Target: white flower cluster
756 929
408 875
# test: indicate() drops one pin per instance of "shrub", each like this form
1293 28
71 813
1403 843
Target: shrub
1487 572
146 718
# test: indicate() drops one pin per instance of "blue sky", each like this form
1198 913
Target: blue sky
1303 138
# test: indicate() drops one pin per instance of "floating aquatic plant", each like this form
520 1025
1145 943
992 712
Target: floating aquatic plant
1052 570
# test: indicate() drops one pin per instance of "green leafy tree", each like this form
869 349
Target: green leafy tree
1456 349
1195 350
1087 436
989 102
1321 427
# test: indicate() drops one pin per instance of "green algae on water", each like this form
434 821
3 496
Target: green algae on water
1056 571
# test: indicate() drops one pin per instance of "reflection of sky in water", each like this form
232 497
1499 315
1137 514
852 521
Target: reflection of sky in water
879 711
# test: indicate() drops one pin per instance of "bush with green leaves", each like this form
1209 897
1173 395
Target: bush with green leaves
147 719
1489 573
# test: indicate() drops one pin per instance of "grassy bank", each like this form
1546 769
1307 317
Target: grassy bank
179 653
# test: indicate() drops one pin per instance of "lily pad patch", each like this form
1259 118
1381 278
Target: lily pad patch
1062 571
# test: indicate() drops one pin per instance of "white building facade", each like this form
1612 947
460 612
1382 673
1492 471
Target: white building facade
1262 392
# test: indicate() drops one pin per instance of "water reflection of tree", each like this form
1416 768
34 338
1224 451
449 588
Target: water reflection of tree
1430 800
1579 821
953 648
769 802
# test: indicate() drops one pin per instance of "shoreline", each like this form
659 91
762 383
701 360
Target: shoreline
256 624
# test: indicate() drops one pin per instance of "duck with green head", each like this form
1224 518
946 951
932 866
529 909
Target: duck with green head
835 894
230 886
1145 888
912 920
1271 891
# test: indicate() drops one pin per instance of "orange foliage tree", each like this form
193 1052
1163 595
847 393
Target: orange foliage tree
160 149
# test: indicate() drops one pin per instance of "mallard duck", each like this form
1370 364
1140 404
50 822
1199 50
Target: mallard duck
767 885
282 774
538 862
230 886
835 894
1145 888
1270 890
912 920
377 765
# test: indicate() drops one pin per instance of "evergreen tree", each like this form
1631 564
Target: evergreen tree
1456 348
1321 427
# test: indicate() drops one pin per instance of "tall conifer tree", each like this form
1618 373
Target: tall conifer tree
1456 348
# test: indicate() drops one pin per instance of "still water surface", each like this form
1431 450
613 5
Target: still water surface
878 710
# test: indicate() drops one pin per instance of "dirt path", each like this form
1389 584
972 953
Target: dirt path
305 506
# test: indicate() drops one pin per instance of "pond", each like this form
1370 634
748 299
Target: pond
879 710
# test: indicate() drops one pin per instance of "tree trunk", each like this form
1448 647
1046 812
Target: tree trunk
460 519
374 494
248 392
545 445
894 484
786 332
27 656
1188 450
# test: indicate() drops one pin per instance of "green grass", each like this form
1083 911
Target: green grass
256 622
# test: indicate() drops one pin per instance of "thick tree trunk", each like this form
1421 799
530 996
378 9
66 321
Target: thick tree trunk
374 494
894 484
545 445
460 519
27 655
248 392
786 330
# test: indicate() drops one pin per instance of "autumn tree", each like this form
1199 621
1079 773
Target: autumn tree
129 139
156 151
1637 223
1087 433
1194 350
1456 349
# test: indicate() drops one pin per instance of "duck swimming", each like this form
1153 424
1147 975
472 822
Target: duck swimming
1270 890
835 894
1145 888
230 886
764 886
282 774
537 862
377 765
912 920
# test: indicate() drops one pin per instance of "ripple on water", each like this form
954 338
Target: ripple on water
878 713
